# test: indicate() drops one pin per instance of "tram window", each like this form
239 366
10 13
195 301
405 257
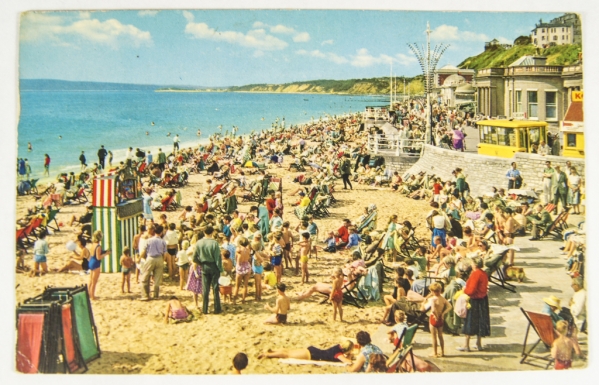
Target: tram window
492 135
571 140
535 135
506 136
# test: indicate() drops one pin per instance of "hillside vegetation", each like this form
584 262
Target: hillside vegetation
502 57
325 86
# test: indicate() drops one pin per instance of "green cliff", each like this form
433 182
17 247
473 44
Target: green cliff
502 57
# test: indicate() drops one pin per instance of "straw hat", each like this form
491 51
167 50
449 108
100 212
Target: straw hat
553 301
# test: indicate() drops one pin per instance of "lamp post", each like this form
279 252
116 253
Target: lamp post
428 63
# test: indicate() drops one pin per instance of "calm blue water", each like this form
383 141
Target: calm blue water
119 119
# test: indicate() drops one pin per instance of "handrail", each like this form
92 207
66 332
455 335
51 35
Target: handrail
394 143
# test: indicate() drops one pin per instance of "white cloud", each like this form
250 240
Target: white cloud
323 55
257 38
364 59
188 16
327 42
258 53
404 59
259 24
39 27
504 40
280 28
85 15
147 13
301 37
452 33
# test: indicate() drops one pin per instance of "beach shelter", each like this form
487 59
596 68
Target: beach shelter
116 201
47 338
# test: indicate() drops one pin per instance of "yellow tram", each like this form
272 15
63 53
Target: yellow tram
504 138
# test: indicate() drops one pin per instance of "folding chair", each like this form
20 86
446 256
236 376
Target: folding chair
33 184
558 226
543 326
402 351
52 217
494 269
368 222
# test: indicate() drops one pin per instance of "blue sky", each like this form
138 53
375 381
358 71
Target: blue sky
235 47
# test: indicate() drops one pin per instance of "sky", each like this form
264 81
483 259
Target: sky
236 47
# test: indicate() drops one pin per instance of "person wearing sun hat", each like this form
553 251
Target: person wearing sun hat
552 308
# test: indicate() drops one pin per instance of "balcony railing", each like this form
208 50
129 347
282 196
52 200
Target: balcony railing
393 144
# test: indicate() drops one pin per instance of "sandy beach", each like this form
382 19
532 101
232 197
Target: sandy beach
207 344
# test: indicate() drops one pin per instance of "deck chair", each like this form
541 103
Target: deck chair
22 239
403 350
320 208
353 295
30 230
490 236
368 222
33 186
549 207
79 197
543 326
216 189
494 269
558 226
52 217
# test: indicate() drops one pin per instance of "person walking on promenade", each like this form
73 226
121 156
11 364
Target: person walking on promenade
560 188
346 172
102 156
547 182
154 254
46 165
514 177
207 255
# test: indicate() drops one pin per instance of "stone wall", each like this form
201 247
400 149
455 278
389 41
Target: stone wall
399 163
484 171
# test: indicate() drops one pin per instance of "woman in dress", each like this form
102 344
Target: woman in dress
458 139
194 280
391 227
477 322
95 261
366 350
574 190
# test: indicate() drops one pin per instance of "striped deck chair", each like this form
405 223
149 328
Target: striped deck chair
403 350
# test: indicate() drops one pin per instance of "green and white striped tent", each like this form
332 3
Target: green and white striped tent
116 205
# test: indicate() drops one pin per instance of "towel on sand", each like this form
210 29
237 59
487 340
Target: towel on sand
295 361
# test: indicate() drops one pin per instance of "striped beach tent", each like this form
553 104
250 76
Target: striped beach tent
116 204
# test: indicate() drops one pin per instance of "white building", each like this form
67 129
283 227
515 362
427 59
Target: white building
554 33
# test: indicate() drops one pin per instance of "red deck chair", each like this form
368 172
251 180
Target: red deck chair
29 342
543 326
72 355
216 189
22 238
142 167
30 229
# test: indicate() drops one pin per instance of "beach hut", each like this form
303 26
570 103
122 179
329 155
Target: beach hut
116 203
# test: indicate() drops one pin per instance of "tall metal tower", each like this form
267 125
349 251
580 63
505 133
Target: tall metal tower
428 63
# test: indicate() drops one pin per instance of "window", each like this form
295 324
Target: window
533 104
571 140
555 37
562 30
518 101
506 136
542 37
488 135
551 105
543 30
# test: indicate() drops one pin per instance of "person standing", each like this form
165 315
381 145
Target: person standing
22 170
547 182
129 156
176 143
346 172
154 254
207 255
574 190
560 188
514 178
578 307
555 146
460 183
82 160
161 159
29 147
102 156
544 149
109 158
478 321
149 158
27 169
46 165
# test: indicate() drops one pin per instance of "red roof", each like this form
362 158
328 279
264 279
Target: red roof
574 113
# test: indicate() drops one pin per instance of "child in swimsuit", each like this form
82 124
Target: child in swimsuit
175 310
127 266
440 307
305 247
562 347
281 308
337 294
243 268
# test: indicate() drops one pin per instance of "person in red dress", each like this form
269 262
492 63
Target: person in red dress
477 322
271 203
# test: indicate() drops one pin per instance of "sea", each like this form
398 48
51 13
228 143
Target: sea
62 123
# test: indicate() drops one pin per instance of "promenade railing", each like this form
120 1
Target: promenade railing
394 144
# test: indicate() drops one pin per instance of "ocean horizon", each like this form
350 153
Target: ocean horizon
62 123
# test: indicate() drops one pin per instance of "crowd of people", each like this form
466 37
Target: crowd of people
210 247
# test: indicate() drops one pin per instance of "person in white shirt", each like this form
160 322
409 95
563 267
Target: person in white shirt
129 156
183 263
578 306
176 143
172 247
544 149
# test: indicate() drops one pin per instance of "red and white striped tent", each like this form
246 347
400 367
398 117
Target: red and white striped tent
115 213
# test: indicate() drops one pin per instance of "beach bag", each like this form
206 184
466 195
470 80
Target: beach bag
461 304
